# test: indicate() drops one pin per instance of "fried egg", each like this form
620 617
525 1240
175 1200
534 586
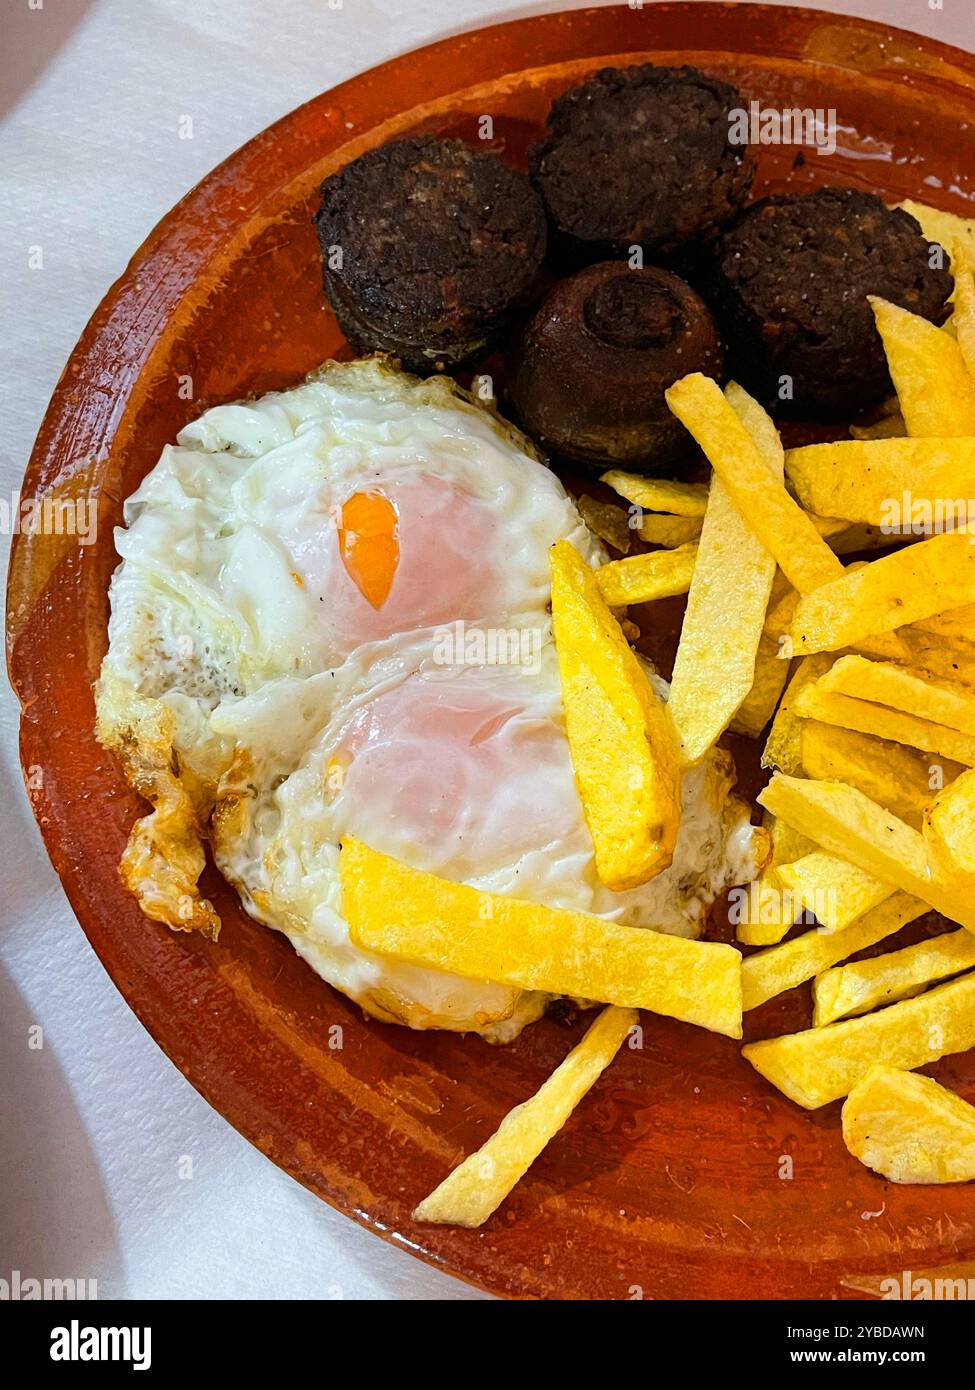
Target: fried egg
282 534
462 770
290 663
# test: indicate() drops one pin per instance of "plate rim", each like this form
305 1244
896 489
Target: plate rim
23 639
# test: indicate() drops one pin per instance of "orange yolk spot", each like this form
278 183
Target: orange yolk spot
369 544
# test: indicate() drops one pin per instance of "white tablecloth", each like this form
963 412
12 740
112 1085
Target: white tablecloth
96 1121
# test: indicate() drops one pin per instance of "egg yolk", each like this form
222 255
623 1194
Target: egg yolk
457 774
369 544
397 555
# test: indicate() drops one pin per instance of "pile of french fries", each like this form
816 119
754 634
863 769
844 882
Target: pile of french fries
862 673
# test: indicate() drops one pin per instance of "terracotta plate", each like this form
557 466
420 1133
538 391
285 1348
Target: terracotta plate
683 1174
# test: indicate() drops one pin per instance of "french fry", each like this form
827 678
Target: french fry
834 891
828 526
933 385
942 656
820 1065
958 624
783 967
783 748
769 912
787 844
620 736
478 1186
610 523
781 590
885 646
963 317
877 481
786 531
850 825
429 921
759 705
890 592
909 1128
643 578
760 427
899 778
771 670
659 494
866 718
714 668
949 830
867 984
900 688
670 531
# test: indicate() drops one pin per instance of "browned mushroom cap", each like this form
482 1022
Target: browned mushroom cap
589 370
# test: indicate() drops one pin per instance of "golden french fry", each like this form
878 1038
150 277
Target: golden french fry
778 521
915 582
850 825
867 984
942 656
885 646
610 523
836 892
659 494
828 526
772 671
783 749
475 1189
768 682
866 718
788 845
714 668
933 385
949 831
620 736
963 317
759 425
781 611
893 483
909 1128
957 624
781 589
783 967
899 778
643 578
766 913
417 917
900 688
822 1064
670 531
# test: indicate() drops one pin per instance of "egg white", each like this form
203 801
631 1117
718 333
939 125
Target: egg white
505 811
235 625
216 595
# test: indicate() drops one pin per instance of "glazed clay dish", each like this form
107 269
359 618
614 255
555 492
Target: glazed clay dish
683 1173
